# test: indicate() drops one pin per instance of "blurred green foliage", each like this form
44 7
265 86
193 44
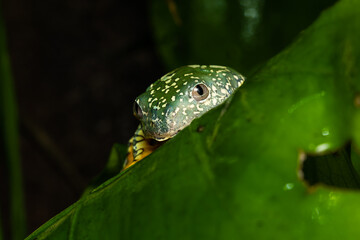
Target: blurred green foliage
237 172
242 34
9 148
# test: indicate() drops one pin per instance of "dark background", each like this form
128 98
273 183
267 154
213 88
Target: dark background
77 67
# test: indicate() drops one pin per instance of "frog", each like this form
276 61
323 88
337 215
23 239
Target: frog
172 102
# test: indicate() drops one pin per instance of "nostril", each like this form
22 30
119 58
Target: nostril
137 111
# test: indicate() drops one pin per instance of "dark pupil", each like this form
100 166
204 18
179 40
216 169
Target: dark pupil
199 90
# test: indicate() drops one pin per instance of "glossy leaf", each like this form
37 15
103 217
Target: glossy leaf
235 173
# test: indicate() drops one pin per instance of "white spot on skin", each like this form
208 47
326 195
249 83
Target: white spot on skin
185 83
158 88
207 103
173 98
224 91
199 108
192 106
214 101
188 74
177 79
164 105
152 92
213 88
216 66
173 84
166 91
164 100
194 66
149 100
181 100
167 76
167 112
178 90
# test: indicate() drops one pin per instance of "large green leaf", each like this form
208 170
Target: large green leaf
236 172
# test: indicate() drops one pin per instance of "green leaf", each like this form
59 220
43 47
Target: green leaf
9 138
238 33
235 173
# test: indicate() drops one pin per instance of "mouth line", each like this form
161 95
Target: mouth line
159 138
165 138
154 142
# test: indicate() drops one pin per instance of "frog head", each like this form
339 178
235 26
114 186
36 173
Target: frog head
172 102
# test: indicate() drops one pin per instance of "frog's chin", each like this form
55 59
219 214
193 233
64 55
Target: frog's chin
161 138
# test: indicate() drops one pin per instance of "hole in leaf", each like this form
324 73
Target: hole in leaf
337 169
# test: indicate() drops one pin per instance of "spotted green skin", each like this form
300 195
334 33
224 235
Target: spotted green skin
168 106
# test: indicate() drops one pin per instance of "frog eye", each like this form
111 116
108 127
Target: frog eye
200 92
138 113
